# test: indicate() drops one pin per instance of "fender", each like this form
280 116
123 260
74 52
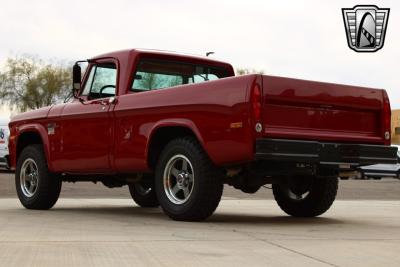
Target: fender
174 122
40 129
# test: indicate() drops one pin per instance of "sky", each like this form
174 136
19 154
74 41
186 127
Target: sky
300 39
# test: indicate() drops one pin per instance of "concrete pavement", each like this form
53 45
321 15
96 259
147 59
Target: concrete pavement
115 232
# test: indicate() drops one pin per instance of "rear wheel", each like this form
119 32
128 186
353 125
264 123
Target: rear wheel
36 187
188 185
306 196
143 193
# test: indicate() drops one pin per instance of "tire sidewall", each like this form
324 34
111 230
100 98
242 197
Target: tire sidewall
49 184
30 153
147 200
321 195
167 205
312 194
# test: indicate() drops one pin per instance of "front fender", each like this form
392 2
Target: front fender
42 132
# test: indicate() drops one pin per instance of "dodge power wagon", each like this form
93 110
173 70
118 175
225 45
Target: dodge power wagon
176 128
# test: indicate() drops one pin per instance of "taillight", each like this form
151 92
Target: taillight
387 113
256 105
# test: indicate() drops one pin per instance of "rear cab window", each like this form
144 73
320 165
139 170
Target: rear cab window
160 74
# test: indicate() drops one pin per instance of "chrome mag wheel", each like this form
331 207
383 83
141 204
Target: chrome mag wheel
29 177
178 179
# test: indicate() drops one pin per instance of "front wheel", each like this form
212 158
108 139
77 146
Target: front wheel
306 196
36 187
188 185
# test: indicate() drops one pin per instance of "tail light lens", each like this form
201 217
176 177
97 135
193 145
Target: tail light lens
256 102
386 118
256 99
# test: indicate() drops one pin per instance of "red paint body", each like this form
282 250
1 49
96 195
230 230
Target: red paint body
100 137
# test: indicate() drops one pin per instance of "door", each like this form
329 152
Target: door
86 126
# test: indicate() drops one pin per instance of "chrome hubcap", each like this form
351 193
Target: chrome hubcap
178 179
29 177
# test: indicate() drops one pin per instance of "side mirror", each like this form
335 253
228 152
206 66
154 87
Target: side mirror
76 77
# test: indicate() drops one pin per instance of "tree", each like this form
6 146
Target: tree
149 81
28 83
244 71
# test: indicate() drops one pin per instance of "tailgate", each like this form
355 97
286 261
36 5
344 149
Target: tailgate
310 110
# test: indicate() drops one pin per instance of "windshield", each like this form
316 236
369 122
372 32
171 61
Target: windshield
158 74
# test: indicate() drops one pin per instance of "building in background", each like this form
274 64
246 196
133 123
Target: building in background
396 126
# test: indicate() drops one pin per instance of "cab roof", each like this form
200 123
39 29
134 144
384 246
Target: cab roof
125 54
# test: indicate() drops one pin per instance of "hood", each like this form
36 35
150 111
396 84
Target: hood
32 115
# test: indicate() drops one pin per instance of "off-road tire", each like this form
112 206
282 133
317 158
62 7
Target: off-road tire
207 186
144 193
48 186
321 195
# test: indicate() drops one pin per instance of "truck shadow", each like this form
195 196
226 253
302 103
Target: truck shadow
156 214
238 218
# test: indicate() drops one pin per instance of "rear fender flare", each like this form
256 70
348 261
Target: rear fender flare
184 123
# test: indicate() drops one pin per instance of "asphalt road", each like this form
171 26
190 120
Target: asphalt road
387 189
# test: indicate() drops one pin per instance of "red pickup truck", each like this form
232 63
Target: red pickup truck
176 128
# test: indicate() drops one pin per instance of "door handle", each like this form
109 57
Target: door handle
110 101
103 104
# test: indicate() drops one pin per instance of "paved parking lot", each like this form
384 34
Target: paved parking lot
112 231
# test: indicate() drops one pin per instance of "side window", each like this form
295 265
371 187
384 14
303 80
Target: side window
101 82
